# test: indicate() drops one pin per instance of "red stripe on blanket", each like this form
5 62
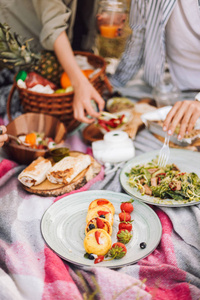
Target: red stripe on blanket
5 166
55 269
164 280
179 292
58 283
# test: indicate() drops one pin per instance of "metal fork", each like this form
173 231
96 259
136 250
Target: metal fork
164 152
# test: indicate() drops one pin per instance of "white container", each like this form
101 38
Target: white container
114 148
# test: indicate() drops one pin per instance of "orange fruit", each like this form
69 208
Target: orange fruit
87 72
65 81
30 139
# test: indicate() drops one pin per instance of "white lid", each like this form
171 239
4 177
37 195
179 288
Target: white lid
116 136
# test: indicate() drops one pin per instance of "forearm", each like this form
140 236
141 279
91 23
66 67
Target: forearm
84 92
67 59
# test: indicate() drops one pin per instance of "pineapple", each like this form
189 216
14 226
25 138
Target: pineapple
17 55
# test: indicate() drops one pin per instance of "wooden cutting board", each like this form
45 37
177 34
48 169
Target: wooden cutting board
92 133
46 188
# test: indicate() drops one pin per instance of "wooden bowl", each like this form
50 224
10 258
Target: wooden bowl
27 123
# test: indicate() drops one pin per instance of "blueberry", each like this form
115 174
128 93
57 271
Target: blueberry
91 226
91 257
143 245
102 216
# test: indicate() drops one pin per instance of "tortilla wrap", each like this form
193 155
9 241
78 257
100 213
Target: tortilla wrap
35 173
68 168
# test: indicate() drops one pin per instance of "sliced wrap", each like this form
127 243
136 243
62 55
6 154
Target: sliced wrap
35 173
68 168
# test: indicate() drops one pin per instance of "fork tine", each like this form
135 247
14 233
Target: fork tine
164 152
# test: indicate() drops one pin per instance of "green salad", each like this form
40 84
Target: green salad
166 183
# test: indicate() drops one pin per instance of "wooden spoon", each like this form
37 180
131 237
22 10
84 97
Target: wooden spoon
16 139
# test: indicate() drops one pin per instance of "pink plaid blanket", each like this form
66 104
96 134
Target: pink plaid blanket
30 270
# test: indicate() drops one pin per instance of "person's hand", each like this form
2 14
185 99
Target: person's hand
184 113
3 135
83 94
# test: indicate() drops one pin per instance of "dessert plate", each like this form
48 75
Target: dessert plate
63 228
185 160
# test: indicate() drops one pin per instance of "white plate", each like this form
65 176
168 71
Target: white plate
186 161
63 227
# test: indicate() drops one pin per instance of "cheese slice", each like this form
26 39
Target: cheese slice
68 168
35 173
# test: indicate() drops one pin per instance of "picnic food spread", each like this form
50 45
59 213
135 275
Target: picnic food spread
98 231
166 183
71 172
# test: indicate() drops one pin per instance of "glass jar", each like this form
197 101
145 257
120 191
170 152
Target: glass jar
166 92
113 28
111 17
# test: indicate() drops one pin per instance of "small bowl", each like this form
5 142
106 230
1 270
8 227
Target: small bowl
29 122
59 153
117 104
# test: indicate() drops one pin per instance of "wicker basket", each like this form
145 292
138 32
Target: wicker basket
60 105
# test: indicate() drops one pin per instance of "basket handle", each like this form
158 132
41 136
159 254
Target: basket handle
9 101
108 84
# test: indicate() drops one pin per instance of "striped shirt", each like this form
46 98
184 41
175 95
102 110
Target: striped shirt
146 46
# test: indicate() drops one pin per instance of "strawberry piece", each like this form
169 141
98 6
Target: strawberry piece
124 217
101 212
100 223
125 225
117 251
102 202
127 206
99 259
124 236
97 236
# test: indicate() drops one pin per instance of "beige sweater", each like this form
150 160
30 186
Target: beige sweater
44 20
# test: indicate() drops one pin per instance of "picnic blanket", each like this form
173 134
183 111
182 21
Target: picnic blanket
31 270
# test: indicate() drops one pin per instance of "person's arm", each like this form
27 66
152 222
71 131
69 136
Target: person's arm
84 92
3 135
55 17
184 113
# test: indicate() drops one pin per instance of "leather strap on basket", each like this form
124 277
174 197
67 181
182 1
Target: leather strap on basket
9 101
108 84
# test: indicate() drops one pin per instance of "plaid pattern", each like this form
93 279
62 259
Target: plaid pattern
30 270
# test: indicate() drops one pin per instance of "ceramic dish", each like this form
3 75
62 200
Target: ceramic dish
185 160
63 226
